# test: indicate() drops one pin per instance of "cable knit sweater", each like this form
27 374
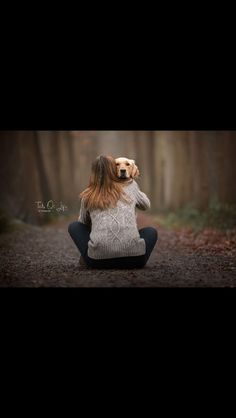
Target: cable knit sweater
114 231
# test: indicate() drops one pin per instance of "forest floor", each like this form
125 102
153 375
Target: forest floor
46 256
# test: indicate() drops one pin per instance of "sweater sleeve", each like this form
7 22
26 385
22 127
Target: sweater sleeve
84 215
142 201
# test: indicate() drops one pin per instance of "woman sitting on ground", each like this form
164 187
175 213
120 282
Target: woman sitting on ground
106 232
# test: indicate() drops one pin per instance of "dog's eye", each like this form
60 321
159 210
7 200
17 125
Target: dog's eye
127 163
117 163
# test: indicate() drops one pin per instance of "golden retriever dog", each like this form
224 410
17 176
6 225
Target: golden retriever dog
126 168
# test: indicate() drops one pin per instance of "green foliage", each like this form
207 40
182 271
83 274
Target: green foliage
8 224
54 217
4 221
219 216
49 217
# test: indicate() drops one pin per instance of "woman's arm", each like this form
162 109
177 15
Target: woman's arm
84 215
142 201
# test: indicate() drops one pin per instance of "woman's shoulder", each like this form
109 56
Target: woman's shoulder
131 185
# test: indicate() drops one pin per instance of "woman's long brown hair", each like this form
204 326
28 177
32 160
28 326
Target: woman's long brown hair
105 188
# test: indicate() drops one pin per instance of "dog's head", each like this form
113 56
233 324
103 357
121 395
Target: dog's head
126 168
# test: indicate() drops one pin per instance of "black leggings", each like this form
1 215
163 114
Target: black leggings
80 233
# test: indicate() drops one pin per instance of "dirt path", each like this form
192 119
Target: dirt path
47 257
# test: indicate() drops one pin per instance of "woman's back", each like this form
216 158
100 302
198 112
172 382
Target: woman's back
114 231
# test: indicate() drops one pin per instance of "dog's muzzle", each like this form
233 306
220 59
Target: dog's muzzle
123 174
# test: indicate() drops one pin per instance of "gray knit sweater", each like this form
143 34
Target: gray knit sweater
114 232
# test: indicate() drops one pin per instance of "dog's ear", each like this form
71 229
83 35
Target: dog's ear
135 170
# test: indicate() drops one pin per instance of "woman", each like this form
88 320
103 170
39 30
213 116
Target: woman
106 232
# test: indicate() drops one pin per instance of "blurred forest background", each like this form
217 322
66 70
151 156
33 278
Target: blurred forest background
183 172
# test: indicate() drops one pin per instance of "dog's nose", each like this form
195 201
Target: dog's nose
122 171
